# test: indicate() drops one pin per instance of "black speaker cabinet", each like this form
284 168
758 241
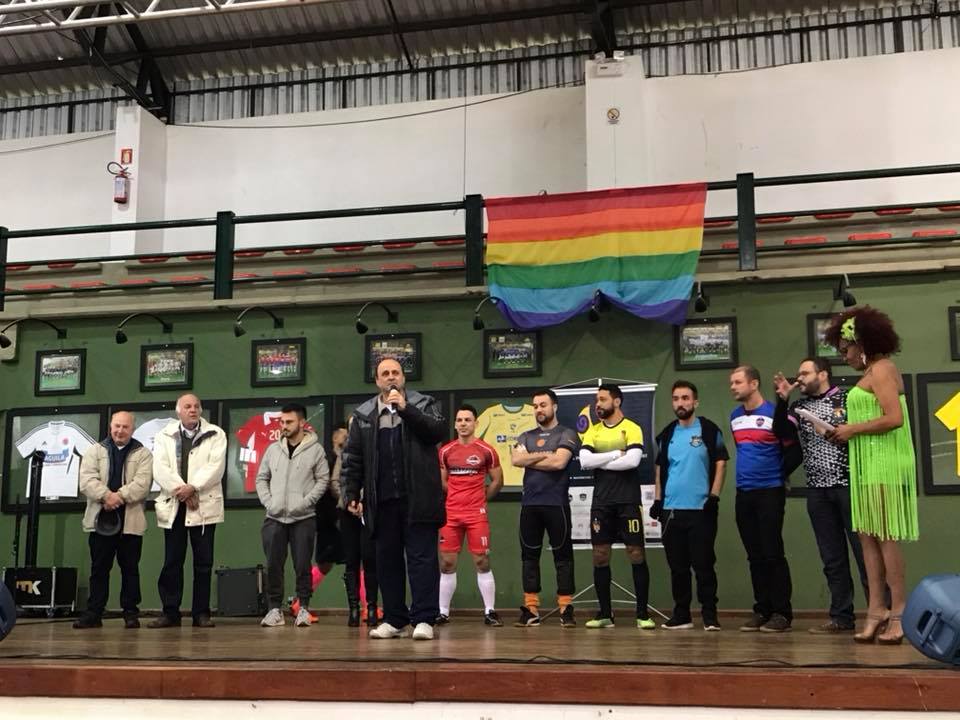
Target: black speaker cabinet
241 591
49 589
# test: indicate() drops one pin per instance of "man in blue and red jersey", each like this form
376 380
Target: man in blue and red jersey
464 466
764 461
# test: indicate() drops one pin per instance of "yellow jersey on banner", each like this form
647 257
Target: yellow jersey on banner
499 425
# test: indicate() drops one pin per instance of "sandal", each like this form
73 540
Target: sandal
891 639
870 634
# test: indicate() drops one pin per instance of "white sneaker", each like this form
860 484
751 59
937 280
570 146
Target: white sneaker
386 631
423 631
303 618
274 618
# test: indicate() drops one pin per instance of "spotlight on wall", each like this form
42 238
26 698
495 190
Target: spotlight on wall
6 342
702 302
477 321
121 336
842 292
361 326
238 330
600 304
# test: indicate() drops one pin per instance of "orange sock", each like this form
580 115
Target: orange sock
564 600
532 601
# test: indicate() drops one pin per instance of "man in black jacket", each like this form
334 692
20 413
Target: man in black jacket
391 458
690 470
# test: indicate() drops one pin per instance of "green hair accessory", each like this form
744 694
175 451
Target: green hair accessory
848 330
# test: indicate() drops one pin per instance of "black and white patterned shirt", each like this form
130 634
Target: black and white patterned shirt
826 464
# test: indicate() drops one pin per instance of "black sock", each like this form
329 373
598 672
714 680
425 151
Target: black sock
641 586
601 583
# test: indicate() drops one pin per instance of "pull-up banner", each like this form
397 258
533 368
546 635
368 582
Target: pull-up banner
577 410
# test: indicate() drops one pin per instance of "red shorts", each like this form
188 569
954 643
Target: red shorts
474 524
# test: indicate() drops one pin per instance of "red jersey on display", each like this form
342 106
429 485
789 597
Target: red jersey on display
467 467
255 436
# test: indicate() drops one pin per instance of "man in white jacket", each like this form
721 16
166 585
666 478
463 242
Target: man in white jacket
292 477
189 457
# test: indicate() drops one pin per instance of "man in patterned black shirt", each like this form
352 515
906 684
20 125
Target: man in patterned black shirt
828 482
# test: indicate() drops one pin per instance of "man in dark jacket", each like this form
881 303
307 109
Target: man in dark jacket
391 456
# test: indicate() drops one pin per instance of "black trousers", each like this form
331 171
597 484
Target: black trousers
407 550
103 549
829 511
688 541
358 549
555 521
760 522
170 583
299 536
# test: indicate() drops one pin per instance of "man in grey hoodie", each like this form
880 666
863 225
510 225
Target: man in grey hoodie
293 474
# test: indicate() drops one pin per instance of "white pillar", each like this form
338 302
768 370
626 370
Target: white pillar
146 137
616 104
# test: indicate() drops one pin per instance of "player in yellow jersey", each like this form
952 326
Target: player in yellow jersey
613 449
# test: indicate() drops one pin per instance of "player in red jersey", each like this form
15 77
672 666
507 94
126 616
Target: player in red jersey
464 466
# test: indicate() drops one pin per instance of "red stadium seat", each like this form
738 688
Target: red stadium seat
774 220
82 284
945 232
38 287
447 264
733 244
949 208
806 240
348 248
199 257
397 267
399 245
833 215
151 260
290 272
299 251
17 268
249 253
138 281
718 223
61 265
449 243
343 269
869 236
893 211
244 275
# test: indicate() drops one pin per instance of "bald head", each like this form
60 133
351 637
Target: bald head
121 427
390 375
188 410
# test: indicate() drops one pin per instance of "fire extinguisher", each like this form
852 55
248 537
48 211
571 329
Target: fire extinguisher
121 182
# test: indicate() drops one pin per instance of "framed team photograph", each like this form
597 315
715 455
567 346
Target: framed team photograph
406 348
62 434
278 362
938 399
817 345
953 314
511 353
705 344
60 372
166 367
251 427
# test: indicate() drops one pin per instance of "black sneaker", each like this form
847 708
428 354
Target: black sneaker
831 627
566 618
442 619
490 618
710 623
85 622
131 622
527 618
754 623
678 623
776 624
203 621
164 621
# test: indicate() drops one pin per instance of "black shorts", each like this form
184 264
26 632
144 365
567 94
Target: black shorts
616 523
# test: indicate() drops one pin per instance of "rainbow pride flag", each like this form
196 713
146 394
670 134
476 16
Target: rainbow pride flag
548 255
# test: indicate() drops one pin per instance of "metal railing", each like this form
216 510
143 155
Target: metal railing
226 223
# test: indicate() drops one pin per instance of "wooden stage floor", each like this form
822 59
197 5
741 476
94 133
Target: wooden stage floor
470 662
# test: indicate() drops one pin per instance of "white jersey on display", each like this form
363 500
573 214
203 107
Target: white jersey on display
146 434
64 443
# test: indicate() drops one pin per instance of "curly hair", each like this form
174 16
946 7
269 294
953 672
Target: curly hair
875 333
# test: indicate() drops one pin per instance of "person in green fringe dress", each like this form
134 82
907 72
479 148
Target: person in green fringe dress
883 476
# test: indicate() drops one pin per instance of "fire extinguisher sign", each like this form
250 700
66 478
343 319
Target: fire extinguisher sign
126 156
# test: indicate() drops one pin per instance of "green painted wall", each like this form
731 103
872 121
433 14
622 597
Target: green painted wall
772 335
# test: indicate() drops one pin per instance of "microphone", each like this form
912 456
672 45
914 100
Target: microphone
393 406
